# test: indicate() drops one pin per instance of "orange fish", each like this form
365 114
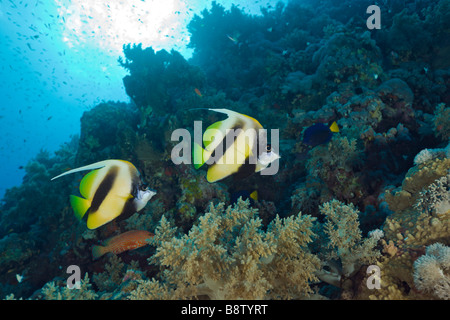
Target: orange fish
129 240
198 92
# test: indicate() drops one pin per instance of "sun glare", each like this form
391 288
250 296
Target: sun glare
111 24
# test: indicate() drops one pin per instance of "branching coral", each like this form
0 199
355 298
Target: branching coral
228 256
52 291
435 199
346 250
417 178
112 276
432 271
411 228
330 174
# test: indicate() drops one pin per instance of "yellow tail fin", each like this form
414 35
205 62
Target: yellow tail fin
334 127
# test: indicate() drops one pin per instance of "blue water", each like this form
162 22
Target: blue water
47 82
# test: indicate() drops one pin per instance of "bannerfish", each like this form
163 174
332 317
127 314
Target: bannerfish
111 189
319 133
233 144
129 240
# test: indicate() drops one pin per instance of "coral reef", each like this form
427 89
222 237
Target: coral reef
53 291
442 121
435 199
430 271
375 196
228 256
414 225
345 249
417 178
107 131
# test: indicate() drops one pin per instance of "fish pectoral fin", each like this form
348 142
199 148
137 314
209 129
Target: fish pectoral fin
200 155
80 206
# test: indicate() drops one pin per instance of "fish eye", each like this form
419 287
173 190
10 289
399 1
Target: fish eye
268 148
143 187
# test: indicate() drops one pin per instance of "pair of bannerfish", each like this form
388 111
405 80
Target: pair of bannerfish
114 187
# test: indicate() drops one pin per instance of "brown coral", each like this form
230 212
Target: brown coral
227 255
417 178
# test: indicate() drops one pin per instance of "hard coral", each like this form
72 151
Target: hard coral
54 291
431 271
334 165
346 250
196 193
228 256
435 199
414 225
442 121
107 131
158 78
417 178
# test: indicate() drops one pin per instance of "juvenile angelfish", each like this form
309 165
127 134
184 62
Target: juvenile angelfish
111 189
129 240
319 133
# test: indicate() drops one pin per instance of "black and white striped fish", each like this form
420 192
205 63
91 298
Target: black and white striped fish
113 188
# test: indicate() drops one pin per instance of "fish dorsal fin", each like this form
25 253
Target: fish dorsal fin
229 113
236 115
253 119
92 166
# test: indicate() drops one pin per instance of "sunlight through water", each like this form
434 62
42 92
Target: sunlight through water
109 25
